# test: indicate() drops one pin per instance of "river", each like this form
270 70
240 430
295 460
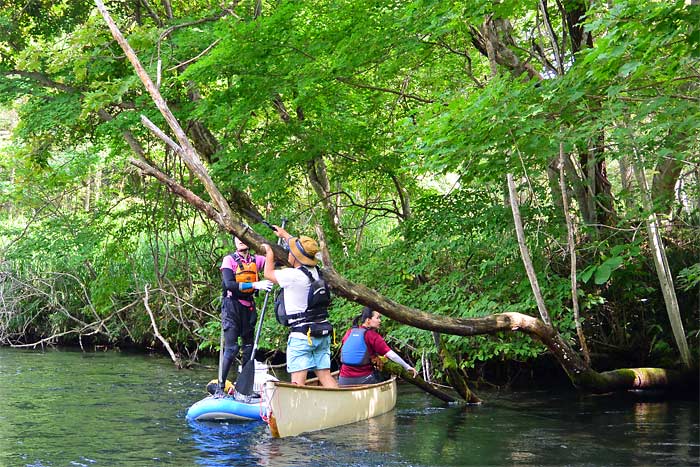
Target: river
68 408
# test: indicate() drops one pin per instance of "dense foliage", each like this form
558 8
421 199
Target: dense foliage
391 124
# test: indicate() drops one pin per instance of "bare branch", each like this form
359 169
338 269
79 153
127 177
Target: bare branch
40 78
152 13
525 252
160 134
390 91
156 332
181 65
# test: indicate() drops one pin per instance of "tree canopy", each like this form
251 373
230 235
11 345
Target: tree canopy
387 126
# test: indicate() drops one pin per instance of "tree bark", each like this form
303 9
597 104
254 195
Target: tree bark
525 252
318 177
578 183
494 40
555 188
663 271
404 197
572 254
663 185
626 176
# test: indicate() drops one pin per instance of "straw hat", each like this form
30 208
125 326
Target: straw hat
304 249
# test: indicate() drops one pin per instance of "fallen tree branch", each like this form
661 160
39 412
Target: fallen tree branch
173 356
47 340
396 369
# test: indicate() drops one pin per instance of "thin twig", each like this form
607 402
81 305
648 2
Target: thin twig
195 58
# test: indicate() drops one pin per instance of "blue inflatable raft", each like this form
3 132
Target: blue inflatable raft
226 409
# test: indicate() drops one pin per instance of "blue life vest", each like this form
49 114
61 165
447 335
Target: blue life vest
354 351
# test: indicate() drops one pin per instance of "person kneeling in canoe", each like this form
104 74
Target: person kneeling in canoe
360 344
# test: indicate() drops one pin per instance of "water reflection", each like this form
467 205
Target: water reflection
234 443
647 414
381 433
651 417
378 434
352 443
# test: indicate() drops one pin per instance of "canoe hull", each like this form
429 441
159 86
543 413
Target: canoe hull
301 409
225 409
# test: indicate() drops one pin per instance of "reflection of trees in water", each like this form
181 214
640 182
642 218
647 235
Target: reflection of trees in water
649 416
250 443
438 432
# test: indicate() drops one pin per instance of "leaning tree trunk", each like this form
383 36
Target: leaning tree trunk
663 186
220 212
663 270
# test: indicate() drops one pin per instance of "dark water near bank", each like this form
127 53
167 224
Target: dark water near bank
102 409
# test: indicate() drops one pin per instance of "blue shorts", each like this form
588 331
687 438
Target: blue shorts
302 356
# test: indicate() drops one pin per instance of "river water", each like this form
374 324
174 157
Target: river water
68 408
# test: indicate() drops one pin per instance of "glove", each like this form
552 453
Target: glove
263 285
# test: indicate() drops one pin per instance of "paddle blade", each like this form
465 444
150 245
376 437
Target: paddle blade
244 383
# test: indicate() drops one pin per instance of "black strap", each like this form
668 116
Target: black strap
308 273
308 315
236 292
239 260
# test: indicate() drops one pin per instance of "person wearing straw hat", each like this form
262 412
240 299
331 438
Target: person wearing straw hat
304 350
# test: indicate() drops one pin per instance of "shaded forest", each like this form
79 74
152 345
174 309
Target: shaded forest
388 130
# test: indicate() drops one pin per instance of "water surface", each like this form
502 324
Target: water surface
68 408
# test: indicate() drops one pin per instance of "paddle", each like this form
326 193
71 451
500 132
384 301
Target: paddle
244 383
221 359
258 218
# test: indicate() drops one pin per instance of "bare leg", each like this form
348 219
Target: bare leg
327 380
299 377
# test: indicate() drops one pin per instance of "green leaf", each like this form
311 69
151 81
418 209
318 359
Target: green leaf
585 275
629 68
602 274
613 263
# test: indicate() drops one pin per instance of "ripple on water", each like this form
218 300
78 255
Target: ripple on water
129 410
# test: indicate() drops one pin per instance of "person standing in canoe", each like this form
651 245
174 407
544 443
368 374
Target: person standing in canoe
309 341
362 342
239 278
